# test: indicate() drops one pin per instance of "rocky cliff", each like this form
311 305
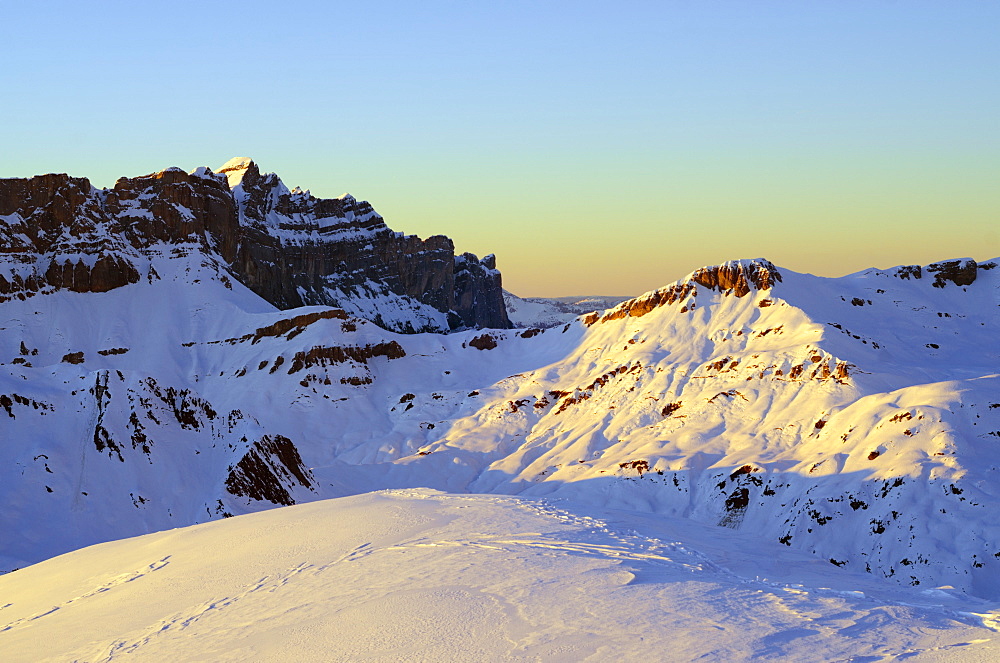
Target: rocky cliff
293 249
300 250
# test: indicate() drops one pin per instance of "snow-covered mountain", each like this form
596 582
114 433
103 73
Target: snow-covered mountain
291 248
851 418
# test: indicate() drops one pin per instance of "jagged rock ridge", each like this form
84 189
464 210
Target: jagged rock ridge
736 277
293 249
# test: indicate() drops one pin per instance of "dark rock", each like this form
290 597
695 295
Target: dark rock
329 355
484 342
479 293
268 471
959 272
343 245
906 271
52 217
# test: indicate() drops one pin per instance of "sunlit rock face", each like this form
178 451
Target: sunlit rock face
58 232
736 277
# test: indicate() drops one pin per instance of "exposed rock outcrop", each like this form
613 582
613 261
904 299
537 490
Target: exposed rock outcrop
640 306
738 277
479 298
268 470
55 233
959 272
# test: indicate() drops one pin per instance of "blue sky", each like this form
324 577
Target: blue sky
596 149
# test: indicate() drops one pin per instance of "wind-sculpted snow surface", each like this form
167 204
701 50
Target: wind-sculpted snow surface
855 419
423 575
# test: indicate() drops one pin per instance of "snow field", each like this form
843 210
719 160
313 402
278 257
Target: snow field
427 576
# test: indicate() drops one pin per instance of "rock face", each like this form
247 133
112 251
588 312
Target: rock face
55 234
293 249
736 277
478 292
300 250
960 272
264 471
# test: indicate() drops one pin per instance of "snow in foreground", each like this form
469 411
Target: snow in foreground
407 575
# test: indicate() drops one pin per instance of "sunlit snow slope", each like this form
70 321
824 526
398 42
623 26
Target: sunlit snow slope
426 576
856 419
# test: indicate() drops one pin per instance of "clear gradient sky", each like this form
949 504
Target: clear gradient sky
596 148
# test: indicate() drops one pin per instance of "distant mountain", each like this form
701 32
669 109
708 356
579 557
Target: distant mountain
550 312
60 233
146 383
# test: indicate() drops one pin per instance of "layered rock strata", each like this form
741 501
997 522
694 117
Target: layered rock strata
293 249
736 277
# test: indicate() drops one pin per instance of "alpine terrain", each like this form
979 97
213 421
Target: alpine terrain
185 347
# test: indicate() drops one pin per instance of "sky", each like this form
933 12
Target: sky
594 148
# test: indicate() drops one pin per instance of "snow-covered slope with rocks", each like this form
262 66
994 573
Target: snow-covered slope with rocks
855 419
429 576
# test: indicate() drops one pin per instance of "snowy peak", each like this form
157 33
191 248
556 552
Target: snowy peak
340 252
741 278
237 168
